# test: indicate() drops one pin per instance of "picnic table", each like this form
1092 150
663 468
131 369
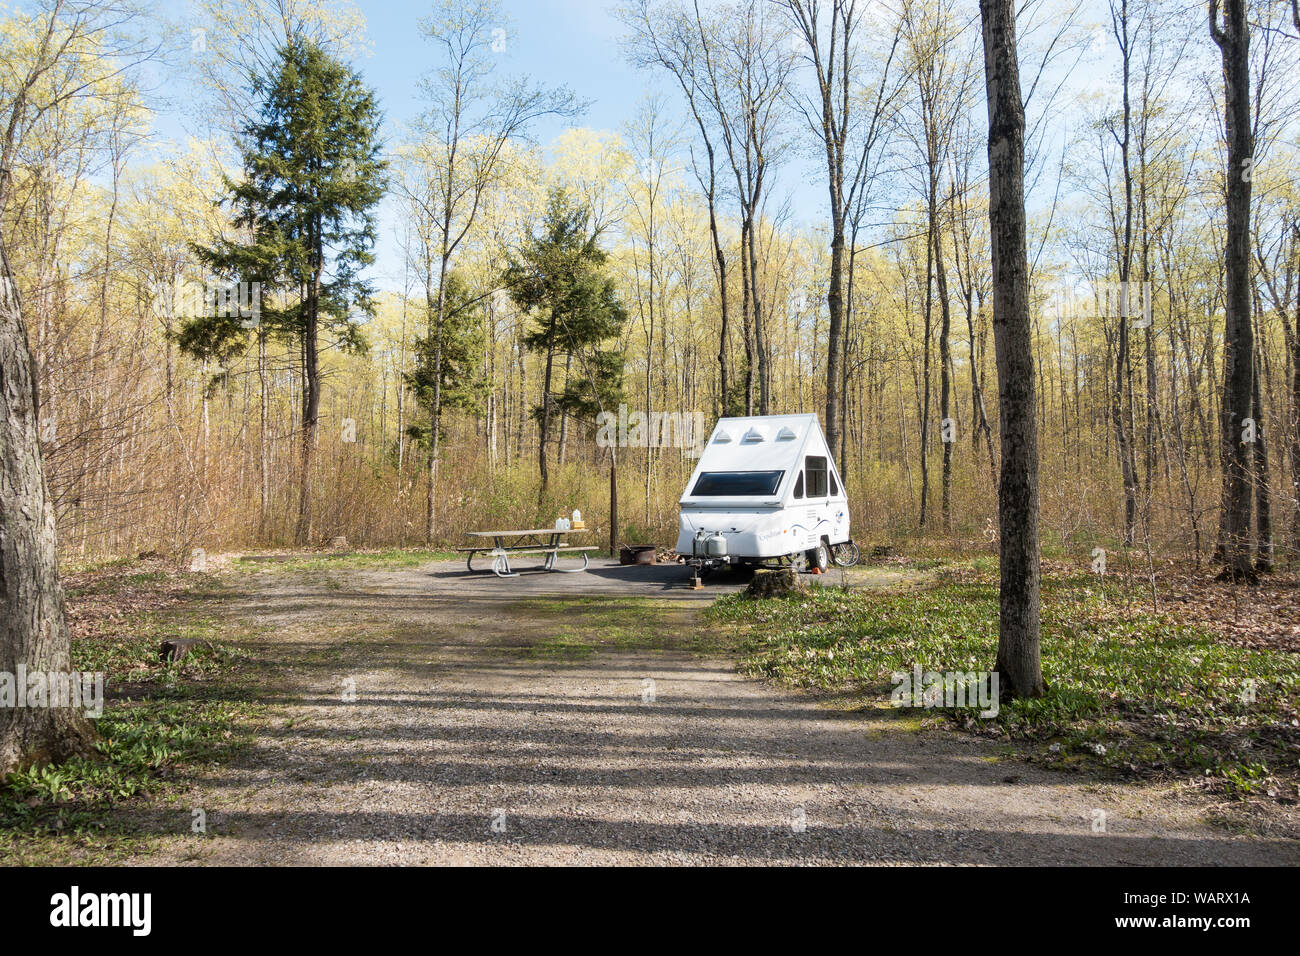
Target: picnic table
548 541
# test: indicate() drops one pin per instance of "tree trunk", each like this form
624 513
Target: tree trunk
746 315
1123 372
846 306
264 438
1295 419
33 625
760 337
1263 509
1018 663
613 502
945 380
310 407
925 364
981 423
564 429
1124 440
1238 340
724 384
835 328
544 429
435 409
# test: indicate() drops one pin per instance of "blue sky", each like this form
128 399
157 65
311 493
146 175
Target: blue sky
563 42
570 43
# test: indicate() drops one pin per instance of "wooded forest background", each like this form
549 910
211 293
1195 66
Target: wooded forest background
874 311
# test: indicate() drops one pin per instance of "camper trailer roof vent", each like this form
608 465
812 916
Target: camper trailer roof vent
722 437
752 437
785 434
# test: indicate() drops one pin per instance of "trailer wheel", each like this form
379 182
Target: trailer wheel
819 557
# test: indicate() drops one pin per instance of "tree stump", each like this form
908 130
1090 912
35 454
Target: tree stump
176 648
775 583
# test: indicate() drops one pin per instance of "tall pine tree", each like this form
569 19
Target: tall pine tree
559 274
312 179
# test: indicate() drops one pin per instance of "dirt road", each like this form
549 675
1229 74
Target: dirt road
424 716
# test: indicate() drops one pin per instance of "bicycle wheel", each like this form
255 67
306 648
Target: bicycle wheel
845 555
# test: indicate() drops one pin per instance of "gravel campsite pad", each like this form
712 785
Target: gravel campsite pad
422 715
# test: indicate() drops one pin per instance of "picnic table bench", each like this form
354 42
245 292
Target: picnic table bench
547 541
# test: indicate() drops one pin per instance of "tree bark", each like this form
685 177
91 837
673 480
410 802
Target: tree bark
1295 410
1121 415
928 322
747 315
435 409
310 406
1018 663
835 367
544 425
1238 340
945 379
613 501
264 437
33 624
760 337
1263 507
724 382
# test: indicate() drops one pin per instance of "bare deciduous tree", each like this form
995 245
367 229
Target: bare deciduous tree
1019 663
463 137
847 113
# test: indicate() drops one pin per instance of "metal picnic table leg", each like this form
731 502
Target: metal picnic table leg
573 570
501 560
554 557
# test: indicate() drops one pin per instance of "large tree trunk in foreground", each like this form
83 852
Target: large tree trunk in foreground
1238 335
1019 665
33 627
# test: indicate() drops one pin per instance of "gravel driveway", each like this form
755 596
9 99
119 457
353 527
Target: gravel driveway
493 724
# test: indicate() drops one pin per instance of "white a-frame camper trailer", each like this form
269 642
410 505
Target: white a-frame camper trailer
765 491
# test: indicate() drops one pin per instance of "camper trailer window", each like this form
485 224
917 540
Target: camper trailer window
798 486
835 489
815 469
740 484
